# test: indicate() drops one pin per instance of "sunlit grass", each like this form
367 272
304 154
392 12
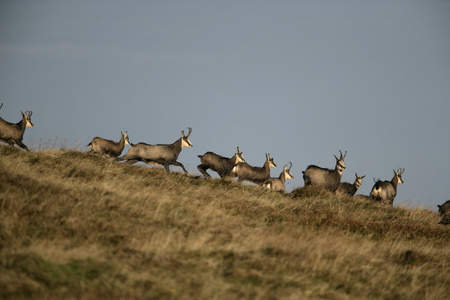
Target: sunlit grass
74 225
57 143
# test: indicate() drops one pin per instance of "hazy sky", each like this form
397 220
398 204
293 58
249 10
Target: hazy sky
300 80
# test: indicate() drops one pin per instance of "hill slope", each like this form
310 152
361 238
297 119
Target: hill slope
77 226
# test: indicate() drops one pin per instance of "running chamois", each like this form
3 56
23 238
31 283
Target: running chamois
161 154
109 148
222 165
12 133
257 175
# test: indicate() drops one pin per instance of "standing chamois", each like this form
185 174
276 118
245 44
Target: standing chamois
348 189
222 165
385 191
277 184
256 175
161 154
11 133
325 178
109 148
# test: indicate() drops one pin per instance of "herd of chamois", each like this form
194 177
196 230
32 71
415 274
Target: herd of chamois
167 154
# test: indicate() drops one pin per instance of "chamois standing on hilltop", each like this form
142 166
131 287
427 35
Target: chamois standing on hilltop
325 178
257 175
444 212
385 191
348 189
222 165
11 133
109 148
161 154
277 184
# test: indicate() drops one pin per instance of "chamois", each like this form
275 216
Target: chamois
277 184
256 175
444 212
348 189
109 148
11 133
385 191
325 178
222 165
161 154
361 197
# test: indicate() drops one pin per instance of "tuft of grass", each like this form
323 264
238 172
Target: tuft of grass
74 225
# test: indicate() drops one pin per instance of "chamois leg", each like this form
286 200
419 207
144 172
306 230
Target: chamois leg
128 161
180 165
8 141
22 145
202 169
166 166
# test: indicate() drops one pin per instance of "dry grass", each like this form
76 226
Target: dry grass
74 225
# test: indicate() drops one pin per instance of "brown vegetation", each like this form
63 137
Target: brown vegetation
73 225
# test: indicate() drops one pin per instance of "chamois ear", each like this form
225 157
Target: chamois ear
337 159
439 206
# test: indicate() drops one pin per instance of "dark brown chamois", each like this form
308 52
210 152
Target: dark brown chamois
162 154
385 191
325 178
444 212
277 184
11 133
256 175
222 165
109 148
348 189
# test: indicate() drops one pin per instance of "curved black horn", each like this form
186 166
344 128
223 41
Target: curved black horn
290 166
189 133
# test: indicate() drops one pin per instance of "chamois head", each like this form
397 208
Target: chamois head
125 136
287 171
340 164
270 161
185 142
398 175
358 180
27 117
239 156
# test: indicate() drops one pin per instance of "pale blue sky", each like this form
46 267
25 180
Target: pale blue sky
300 80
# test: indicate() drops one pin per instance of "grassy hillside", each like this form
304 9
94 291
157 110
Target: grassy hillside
77 226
